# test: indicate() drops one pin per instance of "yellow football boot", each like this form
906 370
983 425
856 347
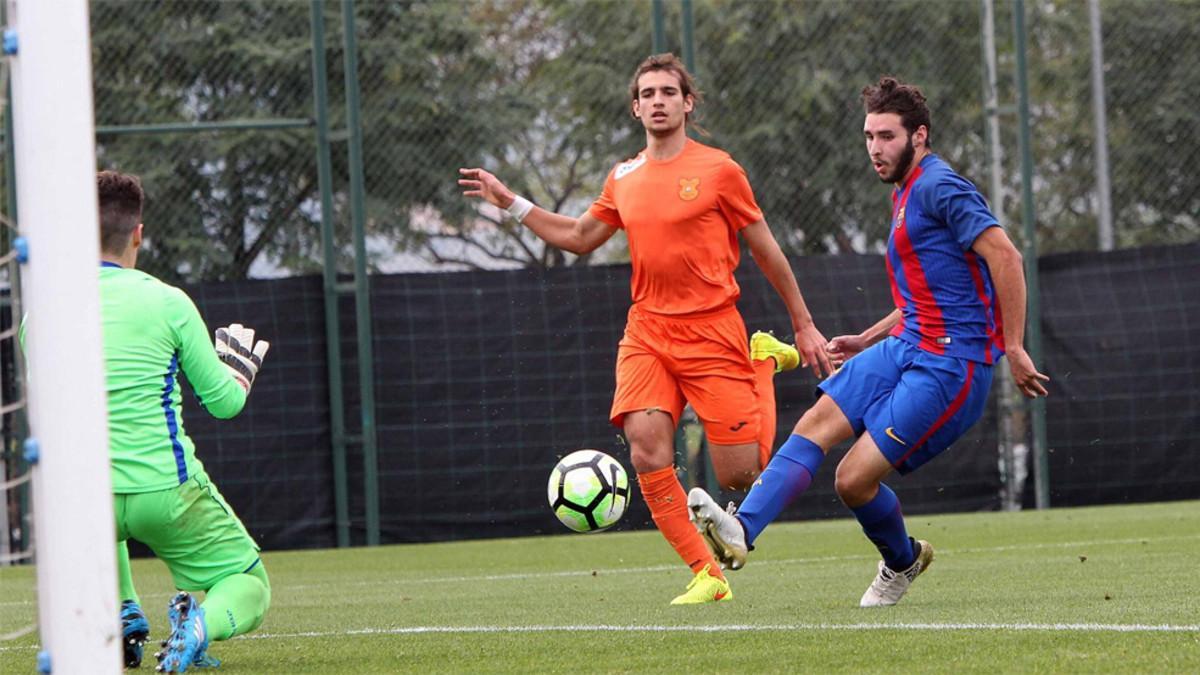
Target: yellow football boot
705 588
763 346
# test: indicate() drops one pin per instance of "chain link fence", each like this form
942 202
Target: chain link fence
213 103
222 204
535 90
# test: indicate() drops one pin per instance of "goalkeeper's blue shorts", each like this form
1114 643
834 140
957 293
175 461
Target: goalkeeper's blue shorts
914 403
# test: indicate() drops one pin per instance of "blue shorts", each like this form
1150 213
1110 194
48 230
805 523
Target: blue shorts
915 404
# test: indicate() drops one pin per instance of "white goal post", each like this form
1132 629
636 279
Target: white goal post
54 141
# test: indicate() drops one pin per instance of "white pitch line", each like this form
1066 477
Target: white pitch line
728 628
735 628
763 563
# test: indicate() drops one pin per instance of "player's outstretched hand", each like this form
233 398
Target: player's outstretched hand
240 353
811 344
842 347
1025 375
483 184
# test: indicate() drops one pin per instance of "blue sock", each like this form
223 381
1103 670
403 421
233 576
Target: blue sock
788 474
883 524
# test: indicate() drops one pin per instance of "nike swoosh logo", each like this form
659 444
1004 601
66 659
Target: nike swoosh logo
719 596
892 434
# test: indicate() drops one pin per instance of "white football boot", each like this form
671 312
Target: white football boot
889 585
722 531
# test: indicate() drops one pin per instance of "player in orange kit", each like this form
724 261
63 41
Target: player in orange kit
682 206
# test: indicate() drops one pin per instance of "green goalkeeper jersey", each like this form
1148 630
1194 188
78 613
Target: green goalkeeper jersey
152 332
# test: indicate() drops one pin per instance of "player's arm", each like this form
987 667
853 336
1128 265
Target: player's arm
1008 276
219 392
843 347
766 252
578 235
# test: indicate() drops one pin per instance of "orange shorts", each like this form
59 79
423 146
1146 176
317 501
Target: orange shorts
702 359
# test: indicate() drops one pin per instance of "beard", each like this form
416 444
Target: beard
902 164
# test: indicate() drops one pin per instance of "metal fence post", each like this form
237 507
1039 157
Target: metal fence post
1041 469
1008 406
333 338
1103 188
659 38
362 300
689 29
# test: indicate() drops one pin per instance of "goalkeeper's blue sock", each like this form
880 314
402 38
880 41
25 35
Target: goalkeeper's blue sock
789 474
883 523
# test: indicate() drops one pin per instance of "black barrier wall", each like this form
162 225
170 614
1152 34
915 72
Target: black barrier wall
492 376
272 462
1121 333
484 379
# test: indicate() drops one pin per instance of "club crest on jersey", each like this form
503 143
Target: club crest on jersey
625 168
900 218
689 188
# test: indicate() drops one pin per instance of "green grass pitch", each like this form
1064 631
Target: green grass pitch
1095 590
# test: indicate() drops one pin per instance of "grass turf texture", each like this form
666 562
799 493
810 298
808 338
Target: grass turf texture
1110 589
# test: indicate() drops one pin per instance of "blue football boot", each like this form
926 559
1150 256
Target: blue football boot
135 629
188 642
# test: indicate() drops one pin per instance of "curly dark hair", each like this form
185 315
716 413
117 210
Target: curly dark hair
890 95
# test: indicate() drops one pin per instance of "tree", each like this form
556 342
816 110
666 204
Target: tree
216 202
220 203
558 101
1151 115
536 91
784 83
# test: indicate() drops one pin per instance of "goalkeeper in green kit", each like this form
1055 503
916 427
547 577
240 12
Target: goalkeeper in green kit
161 494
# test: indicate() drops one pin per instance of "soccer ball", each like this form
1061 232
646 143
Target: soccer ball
588 491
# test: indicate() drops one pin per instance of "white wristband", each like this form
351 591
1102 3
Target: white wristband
519 208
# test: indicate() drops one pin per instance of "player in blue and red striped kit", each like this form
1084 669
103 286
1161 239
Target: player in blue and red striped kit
914 382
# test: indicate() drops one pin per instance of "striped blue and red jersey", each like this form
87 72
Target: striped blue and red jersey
942 288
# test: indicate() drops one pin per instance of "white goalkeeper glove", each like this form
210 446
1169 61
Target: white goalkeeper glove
240 353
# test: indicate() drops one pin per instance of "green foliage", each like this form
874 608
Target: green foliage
784 100
1065 590
1152 79
535 90
216 202
1151 71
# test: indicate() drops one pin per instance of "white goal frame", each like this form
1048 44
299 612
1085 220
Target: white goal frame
54 142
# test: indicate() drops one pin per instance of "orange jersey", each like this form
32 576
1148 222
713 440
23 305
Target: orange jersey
681 218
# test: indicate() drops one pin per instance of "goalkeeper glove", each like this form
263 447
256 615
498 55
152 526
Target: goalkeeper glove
240 353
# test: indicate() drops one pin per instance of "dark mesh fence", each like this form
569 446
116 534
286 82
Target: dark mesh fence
491 377
273 462
481 378
485 378
1120 338
225 204
1150 52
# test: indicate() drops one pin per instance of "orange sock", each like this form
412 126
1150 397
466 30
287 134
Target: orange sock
764 378
668 505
